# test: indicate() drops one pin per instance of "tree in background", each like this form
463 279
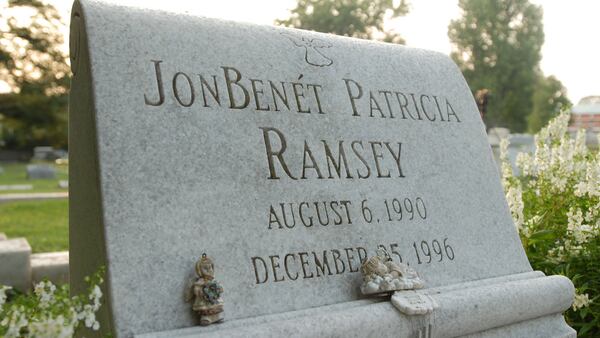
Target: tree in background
497 46
34 66
356 18
549 98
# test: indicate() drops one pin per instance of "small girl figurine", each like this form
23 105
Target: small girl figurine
208 303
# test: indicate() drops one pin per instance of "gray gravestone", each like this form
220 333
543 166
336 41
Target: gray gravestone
40 171
42 153
287 156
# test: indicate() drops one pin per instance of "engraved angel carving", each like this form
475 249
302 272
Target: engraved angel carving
312 50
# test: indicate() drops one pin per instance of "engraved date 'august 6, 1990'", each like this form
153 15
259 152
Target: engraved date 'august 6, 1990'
314 214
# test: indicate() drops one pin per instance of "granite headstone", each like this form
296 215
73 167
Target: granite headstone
288 157
40 171
43 153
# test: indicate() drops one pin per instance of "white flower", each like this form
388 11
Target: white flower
3 290
515 204
580 301
524 162
95 296
45 291
50 327
49 314
581 232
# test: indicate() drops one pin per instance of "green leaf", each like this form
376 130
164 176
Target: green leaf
542 235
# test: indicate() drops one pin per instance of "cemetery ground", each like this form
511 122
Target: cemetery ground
44 223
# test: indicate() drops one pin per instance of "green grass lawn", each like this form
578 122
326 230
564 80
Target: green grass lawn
45 223
15 173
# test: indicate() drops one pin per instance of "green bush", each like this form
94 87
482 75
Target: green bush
555 204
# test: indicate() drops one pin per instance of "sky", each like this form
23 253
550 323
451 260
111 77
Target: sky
571 50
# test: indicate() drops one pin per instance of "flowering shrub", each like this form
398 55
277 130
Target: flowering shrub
555 204
49 311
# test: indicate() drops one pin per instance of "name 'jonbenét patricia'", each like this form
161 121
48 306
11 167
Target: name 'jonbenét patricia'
231 89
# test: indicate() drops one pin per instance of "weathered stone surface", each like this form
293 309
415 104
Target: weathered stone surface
15 267
53 266
40 171
288 157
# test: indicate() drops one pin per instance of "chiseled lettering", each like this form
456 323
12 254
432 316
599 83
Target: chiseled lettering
159 83
230 85
301 212
338 261
275 265
286 217
322 265
387 101
273 218
396 156
362 159
317 99
271 155
377 156
278 94
286 266
373 105
303 256
336 164
256 91
299 95
307 264
313 163
334 205
450 109
423 107
265 270
214 92
355 96
350 257
176 89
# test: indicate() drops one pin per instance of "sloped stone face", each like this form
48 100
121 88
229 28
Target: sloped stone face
287 156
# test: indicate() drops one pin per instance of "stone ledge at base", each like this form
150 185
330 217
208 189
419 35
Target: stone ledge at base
522 305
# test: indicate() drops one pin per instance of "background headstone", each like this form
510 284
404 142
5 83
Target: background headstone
42 153
16 187
52 266
15 269
40 171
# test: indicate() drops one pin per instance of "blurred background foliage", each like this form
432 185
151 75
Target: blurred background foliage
34 65
497 45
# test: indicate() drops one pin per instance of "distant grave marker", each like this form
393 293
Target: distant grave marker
40 171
